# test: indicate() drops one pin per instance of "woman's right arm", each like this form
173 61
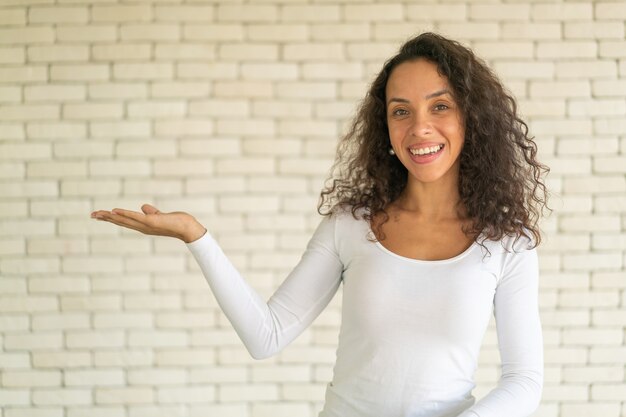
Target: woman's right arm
264 327
267 327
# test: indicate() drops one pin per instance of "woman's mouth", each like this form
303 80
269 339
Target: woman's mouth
426 154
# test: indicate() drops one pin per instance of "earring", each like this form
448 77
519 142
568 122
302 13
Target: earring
392 152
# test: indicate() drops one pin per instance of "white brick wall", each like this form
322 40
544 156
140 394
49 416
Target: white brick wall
231 111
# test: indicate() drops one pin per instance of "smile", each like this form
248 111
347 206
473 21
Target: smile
426 151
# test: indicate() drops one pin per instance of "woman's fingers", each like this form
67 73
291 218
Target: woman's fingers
148 209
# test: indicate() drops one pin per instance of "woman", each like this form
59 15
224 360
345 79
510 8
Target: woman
431 225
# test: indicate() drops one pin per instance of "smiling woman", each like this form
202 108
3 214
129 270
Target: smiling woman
431 228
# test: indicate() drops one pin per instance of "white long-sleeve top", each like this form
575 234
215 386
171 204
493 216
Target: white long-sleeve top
411 330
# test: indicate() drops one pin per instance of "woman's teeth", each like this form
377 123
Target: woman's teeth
426 151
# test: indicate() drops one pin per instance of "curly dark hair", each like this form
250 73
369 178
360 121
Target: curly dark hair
500 180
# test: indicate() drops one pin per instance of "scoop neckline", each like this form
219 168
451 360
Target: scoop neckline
426 261
422 261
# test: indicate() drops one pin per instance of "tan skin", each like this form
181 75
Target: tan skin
424 221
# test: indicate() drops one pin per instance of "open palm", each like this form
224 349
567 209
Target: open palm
151 221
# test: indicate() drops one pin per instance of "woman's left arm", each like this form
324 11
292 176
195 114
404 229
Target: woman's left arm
520 341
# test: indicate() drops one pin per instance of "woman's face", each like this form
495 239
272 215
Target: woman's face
425 124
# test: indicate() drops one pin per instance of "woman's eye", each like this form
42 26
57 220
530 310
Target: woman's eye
441 107
400 112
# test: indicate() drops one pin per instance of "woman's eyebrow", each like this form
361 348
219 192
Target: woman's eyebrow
438 93
431 95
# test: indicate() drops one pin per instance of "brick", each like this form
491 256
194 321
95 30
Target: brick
26 35
471 30
93 111
77 150
61 359
27 379
89 378
123 358
12 17
184 13
59 208
122 320
277 33
25 152
498 12
28 227
616 164
119 168
593 261
245 89
120 129
57 92
594 30
610 10
156 109
82 72
499 49
610 392
184 168
150 32
122 52
247 13
57 246
23 74
222 108
561 12
214 32
211 71
56 170
186 357
255 52
15 360
307 90
56 130
343 31
118 90
248 204
595 299
126 395
232 392
157 338
280 109
587 337
29 189
34 341
313 51
612 126
582 409
564 89
30 112
63 321
143 71
567 49
14 322
276 71
180 89
613 49
518 31
185 127
332 71
561 127
58 14
153 188
14 397
437 12
12 55
310 13
58 53
181 51
90 302
525 69
373 12
11 131
94 339
170 376
13 209
152 302
586 69
87 33
248 127
86 265
121 13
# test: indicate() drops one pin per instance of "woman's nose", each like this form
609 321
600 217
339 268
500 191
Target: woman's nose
421 125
